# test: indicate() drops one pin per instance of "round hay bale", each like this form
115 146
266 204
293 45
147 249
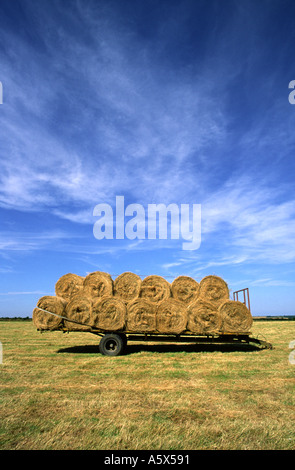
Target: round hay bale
236 317
45 321
171 317
155 288
79 309
185 289
203 318
98 284
69 285
109 313
127 286
141 316
213 289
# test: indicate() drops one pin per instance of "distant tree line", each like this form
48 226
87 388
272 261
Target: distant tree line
15 318
275 318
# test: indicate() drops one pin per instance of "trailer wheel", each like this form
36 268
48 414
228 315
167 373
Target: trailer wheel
124 338
111 345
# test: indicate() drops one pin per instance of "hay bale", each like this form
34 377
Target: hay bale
127 286
213 289
141 316
79 309
171 316
185 289
45 321
98 284
236 317
109 313
69 285
155 288
203 318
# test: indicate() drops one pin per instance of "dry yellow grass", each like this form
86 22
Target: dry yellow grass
58 392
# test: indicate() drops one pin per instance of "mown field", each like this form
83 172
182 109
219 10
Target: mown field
58 392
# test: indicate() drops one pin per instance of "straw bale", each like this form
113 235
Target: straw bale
236 317
69 285
79 309
109 313
203 318
98 284
185 289
213 289
155 288
171 316
45 321
141 316
127 286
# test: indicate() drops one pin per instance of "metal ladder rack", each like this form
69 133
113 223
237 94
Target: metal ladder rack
246 297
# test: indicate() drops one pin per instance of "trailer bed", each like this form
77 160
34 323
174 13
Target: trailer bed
113 343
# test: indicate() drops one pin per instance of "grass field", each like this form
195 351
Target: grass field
58 392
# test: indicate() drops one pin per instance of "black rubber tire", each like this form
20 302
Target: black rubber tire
124 338
111 345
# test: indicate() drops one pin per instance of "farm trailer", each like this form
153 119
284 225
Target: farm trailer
114 343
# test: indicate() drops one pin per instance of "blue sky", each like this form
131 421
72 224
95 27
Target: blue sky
180 102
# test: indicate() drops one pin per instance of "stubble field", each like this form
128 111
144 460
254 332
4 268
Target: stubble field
59 393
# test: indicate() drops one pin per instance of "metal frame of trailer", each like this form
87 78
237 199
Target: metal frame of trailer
113 343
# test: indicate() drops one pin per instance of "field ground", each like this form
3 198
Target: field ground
59 393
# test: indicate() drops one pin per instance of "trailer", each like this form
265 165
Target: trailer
114 343
129 309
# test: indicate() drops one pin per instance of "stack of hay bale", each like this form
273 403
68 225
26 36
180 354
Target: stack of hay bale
151 305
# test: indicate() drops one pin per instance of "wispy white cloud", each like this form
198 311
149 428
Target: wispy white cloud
24 241
242 224
138 128
272 283
103 114
26 293
253 218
